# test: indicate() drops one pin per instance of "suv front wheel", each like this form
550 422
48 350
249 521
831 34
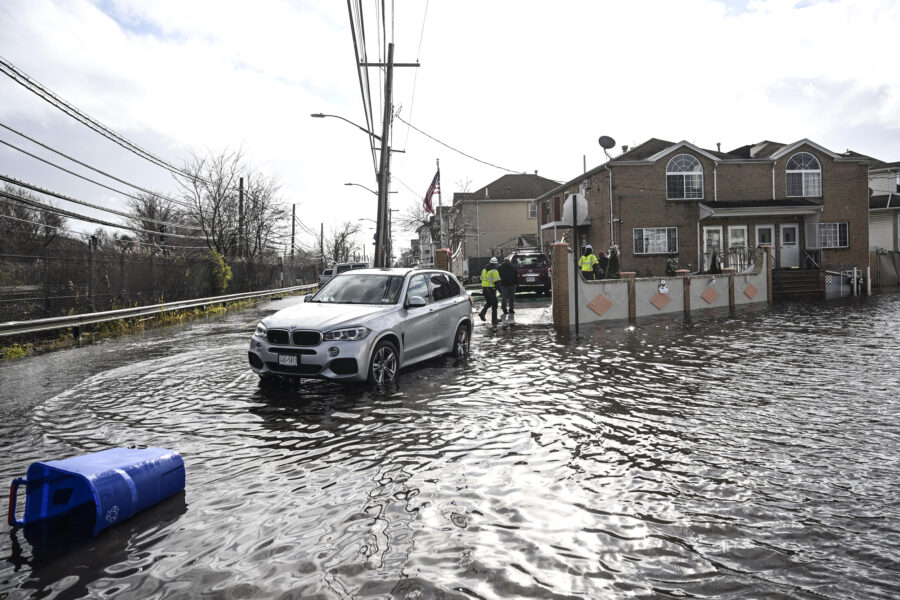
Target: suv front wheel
383 365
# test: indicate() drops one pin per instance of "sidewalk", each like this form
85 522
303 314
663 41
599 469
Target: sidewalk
531 309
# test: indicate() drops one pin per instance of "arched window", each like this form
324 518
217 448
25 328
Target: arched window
804 176
684 178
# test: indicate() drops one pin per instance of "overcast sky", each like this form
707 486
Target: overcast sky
527 86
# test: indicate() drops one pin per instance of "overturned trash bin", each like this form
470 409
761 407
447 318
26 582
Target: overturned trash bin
106 487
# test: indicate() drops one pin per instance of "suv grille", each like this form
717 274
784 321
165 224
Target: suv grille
307 338
278 336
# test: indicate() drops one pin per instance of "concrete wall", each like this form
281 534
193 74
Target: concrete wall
629 298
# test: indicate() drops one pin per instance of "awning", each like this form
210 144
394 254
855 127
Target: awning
758 208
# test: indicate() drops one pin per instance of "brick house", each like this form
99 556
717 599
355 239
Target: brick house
663 202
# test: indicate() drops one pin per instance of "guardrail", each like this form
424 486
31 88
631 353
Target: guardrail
37 325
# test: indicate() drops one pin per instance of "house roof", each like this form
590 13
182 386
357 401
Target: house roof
516 186
644 150
655 149
763 149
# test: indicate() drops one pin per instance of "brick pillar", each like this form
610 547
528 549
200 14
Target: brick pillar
442 259
729 272
559 284
632 294
685 275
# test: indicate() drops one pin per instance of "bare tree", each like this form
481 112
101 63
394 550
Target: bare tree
212 191
23 223
231 227
341 243
151 213
264 216
415 217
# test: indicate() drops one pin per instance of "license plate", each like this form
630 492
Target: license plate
531 277
287 360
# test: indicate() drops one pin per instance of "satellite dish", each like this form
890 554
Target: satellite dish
606 142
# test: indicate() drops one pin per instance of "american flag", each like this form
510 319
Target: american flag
434 188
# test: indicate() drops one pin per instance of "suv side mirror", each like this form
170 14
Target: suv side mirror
307 297
416 302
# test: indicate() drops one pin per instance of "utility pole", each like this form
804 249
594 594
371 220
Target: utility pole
240 247
384 169
293 228
384 177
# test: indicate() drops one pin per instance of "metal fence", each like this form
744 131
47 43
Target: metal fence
53 281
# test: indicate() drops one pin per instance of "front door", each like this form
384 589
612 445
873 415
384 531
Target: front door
765 236
790 246
712 244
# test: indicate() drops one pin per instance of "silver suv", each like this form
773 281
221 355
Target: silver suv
365 325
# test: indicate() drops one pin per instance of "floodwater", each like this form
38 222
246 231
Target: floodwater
747 454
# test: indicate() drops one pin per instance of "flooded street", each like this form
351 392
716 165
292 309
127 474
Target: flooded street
751 454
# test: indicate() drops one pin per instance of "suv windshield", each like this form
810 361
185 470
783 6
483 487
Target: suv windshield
534 261
355 288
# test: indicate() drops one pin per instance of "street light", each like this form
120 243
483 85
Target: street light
382 172
367 188
360 127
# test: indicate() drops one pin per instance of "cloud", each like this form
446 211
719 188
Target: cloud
516 84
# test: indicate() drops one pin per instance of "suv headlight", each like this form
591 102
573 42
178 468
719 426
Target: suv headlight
261 330
349 334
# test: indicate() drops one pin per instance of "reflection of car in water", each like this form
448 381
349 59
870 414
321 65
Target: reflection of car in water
365 325
533 272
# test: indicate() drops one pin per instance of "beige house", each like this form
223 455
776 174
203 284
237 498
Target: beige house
495 219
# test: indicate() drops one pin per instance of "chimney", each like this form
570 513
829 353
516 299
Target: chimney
624 149
718 146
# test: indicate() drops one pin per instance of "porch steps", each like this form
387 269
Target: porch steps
798 284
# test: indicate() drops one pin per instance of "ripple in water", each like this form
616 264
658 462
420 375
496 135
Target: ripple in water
748 454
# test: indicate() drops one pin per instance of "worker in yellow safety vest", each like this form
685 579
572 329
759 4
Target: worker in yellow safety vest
490 276
587 261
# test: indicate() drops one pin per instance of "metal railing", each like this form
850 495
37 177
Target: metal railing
12 328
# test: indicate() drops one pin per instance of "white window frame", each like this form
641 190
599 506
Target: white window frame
731 228
676 168
771 228
823 242
663 231
810 179
532 210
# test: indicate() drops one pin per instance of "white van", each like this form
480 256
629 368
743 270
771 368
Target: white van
332 272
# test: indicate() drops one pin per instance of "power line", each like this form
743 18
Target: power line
63 169
454 149
79 217
48 96
35 188
83 164
85 234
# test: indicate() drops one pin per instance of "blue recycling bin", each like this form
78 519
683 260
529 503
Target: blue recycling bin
107 486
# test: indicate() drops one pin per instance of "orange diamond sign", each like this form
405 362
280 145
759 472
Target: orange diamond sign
600 304
710 295
660 300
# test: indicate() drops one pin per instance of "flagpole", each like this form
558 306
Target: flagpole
440 203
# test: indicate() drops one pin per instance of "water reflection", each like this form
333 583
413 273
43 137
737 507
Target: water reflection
745 454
